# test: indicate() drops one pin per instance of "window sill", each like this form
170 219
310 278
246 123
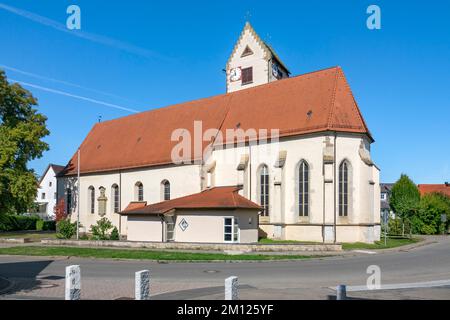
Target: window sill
246 83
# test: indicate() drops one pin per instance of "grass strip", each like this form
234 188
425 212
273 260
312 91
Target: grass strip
390 243
140 254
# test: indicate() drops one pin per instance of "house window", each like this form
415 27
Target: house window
139 191
115 194
383 196
247 75
231 230
264 190
91 199
170 229
165 190
343 189
303 189
43 195
50 184
69 201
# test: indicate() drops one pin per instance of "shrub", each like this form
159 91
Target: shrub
40 225
431 208
84 237
114 234
66 229
17 223
49 225
100 230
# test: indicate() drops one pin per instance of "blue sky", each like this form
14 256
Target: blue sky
146 54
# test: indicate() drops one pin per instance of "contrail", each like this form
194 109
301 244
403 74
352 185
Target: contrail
75 96
85 35
61 81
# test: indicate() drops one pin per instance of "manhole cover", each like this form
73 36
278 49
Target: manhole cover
51 278
211 271
47 286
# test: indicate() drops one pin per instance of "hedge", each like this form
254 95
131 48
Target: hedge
17 223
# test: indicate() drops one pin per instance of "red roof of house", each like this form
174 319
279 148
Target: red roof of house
313 102
214 198
135 205
431 188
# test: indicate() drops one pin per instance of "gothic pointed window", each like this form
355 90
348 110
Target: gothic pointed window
247 52
264 190
343 189
303 189
91 199
115 197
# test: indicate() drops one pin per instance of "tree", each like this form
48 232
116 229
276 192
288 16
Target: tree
405 197
60 210
21 131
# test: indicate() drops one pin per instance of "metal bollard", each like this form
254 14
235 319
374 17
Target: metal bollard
231 288
142 285
73 283
341 292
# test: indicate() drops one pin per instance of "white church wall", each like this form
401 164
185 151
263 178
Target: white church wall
184 180
309 148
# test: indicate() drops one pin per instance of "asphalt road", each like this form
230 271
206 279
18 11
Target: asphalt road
38 277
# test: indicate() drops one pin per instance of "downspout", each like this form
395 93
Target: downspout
120 203
323 201
250 171
162 228
335 185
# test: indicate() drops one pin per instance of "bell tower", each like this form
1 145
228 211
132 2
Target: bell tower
253 62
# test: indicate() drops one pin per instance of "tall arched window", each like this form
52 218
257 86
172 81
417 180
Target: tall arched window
165 190
115 197
343 189
264 190
303 189
91 199
139 191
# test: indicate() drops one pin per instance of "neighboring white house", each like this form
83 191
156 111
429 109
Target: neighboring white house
47 191
299 149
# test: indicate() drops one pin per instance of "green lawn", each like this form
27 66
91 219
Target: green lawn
34 235
273 241
138 254
390 243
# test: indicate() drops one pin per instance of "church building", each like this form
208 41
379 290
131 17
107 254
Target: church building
278 156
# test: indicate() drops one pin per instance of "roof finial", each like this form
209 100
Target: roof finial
100 118
248 16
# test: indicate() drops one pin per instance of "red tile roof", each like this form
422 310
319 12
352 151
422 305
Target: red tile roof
214 198
135 205
313 102
431 188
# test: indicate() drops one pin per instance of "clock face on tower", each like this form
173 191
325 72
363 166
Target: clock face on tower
235 74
